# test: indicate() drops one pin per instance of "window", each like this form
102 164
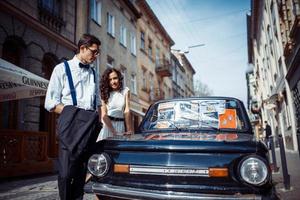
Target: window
96 6
157 55
110 24
133 84
270 40
124 73
150 48
50 14
110 62
151 81
132 44
46 119
52 6
142 40
165 91
144 79
123 35
181 82
274 19
97 65
280 67
174 69
286 115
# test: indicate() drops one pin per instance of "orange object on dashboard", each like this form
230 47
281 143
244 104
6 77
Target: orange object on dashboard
228 119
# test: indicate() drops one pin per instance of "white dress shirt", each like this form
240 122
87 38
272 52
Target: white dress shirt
83 79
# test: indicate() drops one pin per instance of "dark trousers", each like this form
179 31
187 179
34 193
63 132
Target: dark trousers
78 130
71 176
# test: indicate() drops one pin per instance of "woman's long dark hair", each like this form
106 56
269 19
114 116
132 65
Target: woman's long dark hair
104 84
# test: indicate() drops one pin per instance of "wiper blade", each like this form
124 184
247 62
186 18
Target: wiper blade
172 123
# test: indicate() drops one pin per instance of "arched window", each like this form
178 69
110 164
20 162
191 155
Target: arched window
13 51
48 63
48 119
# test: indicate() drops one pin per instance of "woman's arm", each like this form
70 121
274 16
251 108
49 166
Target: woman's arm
127 114
105 118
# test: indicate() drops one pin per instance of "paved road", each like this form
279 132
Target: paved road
39 188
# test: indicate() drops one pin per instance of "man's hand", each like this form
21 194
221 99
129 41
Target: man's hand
58 108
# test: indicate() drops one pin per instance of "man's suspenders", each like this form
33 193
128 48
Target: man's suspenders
71 84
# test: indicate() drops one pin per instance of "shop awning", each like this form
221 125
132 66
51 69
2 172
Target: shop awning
18 83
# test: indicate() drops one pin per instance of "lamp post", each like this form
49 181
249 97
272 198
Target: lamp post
189 47
193 46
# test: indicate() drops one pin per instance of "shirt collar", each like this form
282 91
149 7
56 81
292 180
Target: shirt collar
76 61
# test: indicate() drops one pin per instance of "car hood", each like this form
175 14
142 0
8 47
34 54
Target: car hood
186 142
194 136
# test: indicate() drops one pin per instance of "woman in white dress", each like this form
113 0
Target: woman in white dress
115 112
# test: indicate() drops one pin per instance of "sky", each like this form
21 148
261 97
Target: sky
220 25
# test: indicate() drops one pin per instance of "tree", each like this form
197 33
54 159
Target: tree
201 89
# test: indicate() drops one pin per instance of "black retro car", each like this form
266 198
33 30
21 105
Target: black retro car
193 148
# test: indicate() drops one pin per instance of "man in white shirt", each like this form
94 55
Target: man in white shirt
58 93
85 97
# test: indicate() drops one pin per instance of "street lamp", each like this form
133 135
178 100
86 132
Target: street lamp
194 46
189 47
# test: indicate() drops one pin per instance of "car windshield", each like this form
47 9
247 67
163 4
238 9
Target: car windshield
195 114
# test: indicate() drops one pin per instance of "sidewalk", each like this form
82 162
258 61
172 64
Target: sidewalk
293 165
37 188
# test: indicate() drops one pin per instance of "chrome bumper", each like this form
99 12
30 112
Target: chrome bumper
143 194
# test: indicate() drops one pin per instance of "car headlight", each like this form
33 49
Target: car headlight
98 164
254 170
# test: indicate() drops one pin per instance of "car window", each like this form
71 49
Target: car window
195 114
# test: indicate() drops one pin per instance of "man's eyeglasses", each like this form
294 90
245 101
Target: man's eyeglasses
95 52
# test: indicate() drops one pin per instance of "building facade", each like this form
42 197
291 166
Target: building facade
186 74
115 24
37 35
154 65
271 98
178 74
289 18
253 112
135 42
34 35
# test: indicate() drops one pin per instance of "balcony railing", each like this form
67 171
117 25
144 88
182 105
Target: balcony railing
163 68
50 15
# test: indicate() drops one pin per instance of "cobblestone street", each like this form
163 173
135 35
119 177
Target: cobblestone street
41 188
